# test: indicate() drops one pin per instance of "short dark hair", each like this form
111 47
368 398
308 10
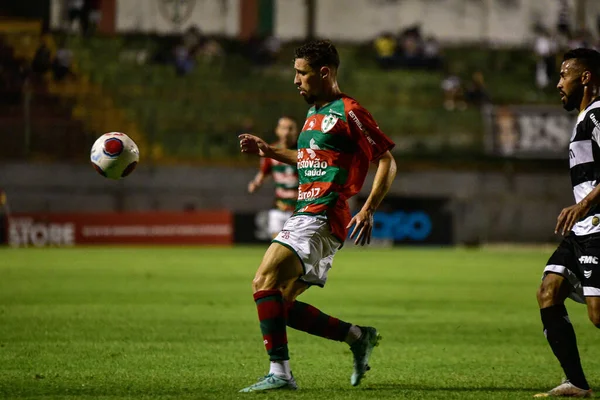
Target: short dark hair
319 53
588 58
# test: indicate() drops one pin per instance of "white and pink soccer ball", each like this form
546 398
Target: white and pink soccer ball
114 155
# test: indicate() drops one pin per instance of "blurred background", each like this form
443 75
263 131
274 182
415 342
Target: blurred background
465 88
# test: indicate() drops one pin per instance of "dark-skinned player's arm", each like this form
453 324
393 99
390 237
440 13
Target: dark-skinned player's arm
254 145
386 172
569 216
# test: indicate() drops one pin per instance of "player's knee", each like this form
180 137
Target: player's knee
264 281
594 316
546 295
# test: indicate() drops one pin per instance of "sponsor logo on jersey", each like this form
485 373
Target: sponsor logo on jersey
594 120
587 274
588 260
361 127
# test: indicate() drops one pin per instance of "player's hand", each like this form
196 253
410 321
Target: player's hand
569 217
364 225
253 186
253 145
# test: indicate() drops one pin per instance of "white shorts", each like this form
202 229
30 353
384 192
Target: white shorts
309 236
277 219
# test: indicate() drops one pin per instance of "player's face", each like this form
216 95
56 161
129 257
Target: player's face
570 85
308 81
287 131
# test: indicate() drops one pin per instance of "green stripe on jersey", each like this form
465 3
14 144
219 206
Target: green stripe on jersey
336 108
336 142
329 199
330 174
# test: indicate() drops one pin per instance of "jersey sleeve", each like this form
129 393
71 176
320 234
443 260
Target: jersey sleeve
266 165
372 141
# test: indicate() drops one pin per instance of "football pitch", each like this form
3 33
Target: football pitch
180 323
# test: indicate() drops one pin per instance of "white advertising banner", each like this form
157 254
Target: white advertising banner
219 17
528 131
507 22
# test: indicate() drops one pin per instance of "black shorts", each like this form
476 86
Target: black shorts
577 258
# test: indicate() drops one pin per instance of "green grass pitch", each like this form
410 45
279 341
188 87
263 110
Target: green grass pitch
180 323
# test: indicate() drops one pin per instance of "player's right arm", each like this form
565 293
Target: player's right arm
254 145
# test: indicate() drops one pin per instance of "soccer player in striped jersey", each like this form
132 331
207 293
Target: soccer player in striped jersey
573 270
338 141
284 175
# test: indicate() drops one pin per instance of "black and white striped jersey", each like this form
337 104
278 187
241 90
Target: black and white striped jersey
584 160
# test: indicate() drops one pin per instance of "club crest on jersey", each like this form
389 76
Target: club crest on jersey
328 123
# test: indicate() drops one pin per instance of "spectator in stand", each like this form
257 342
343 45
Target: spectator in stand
545 49
431 53
77 13
62 64
475 92
453 93
93 11
42 60
184 62
385 46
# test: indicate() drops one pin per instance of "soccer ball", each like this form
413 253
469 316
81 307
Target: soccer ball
114 155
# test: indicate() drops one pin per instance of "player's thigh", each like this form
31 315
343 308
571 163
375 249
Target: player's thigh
279 266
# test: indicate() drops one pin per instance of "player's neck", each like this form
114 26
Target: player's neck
589 95
332 94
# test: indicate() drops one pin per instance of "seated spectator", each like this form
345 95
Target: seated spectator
94 13
475 92
193 40
431 53
453 94
263 50
184 63
411 50
42 60
545 48
62 64
385 50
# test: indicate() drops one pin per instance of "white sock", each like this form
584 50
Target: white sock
281 369
353 334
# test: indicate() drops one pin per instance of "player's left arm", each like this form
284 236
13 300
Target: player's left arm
386 172
569 216
376 145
